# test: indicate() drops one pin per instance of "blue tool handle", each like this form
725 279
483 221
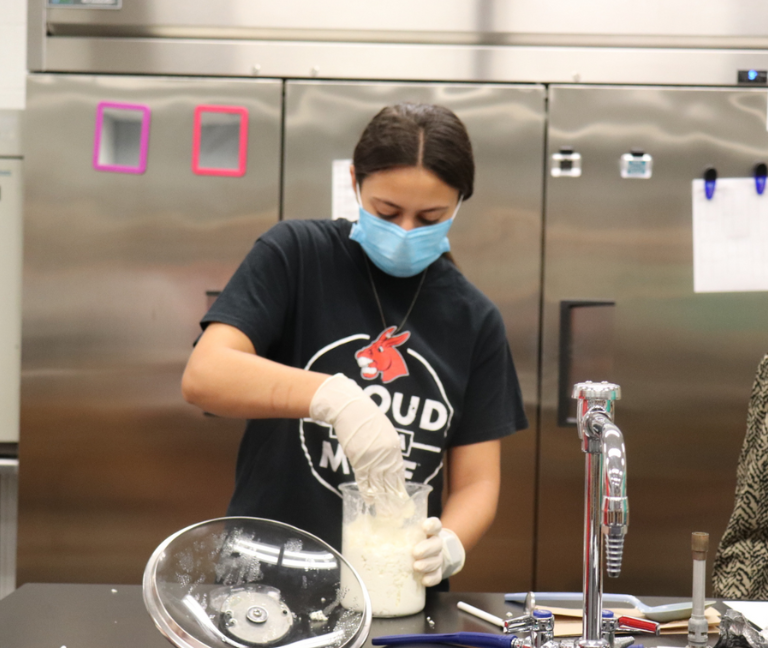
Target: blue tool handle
474 639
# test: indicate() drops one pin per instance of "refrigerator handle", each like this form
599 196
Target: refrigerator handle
565 380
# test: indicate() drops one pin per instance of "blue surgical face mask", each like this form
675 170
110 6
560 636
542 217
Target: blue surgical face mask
399 252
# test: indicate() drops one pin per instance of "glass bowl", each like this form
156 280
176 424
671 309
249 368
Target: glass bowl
241 582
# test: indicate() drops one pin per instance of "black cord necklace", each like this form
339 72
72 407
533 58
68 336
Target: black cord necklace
378 301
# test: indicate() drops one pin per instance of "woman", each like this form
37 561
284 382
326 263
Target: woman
361 352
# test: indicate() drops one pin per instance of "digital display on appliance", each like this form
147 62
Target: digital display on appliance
753 77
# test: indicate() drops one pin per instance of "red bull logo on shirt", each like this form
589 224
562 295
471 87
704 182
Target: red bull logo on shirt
381 357
416 403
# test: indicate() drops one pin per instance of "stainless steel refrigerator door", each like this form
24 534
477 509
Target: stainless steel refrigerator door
496 241
685 361
116 271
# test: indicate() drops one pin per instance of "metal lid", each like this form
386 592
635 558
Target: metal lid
248 582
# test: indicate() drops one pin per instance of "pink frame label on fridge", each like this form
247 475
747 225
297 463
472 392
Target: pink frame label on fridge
121 140
235 165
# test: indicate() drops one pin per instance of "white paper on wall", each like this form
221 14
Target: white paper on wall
344 201
13 54
730 237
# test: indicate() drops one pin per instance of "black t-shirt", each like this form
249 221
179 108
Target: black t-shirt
303 296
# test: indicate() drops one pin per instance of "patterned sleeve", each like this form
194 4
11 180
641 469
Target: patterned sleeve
740 569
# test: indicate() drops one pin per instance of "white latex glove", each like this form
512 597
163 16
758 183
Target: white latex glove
439 556
368 438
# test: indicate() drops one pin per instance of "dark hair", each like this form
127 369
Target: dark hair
414 134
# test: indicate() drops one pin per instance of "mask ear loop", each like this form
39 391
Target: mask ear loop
456 211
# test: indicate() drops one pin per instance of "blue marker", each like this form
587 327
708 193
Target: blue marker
761 171
710 179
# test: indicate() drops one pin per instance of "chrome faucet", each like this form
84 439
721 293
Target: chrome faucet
606 515
606 512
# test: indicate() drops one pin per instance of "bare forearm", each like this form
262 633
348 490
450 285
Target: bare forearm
470 511
235 382
474 479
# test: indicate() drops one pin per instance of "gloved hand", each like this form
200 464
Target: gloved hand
369 440
439 556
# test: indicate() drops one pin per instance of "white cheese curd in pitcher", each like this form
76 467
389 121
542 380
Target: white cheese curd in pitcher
381 551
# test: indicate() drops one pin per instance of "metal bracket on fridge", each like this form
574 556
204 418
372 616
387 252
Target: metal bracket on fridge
9 507
566 163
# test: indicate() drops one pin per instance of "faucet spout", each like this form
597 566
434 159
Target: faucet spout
615 506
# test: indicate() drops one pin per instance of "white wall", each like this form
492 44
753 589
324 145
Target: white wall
13 53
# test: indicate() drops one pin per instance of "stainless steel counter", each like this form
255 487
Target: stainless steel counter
113 616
